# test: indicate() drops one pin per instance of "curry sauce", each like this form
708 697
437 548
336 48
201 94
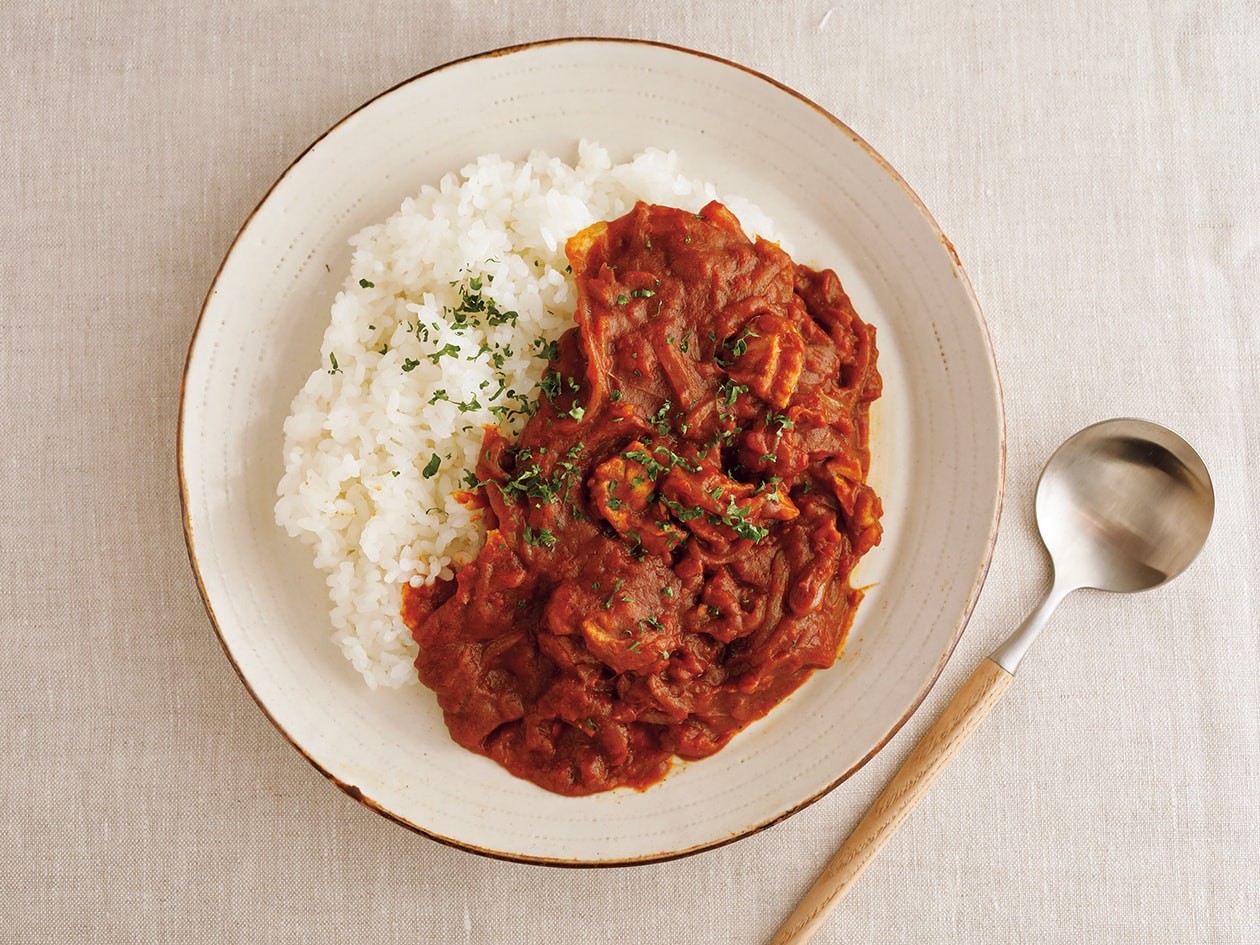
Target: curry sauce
671 536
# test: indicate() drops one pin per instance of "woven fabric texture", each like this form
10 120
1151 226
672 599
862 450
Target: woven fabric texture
1095 165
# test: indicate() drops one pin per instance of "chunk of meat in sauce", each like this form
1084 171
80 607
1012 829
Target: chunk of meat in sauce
670 561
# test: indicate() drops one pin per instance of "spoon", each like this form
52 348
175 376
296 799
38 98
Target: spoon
1123 505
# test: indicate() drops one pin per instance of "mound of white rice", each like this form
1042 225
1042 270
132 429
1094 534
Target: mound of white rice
438 332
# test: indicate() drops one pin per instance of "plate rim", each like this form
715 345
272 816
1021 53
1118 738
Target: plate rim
961 623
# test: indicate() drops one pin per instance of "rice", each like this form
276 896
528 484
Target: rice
439 330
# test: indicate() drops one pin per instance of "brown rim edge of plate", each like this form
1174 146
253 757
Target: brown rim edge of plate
972 595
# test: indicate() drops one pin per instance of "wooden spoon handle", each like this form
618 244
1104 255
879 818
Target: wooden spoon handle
948 733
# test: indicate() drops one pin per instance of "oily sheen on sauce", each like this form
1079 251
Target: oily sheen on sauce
671 536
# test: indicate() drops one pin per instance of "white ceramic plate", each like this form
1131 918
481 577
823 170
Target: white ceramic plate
938 438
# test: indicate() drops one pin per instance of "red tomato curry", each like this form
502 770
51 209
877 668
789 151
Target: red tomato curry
672 534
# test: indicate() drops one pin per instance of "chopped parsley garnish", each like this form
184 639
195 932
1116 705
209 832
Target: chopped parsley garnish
780 420
683 514
332 359
653 466
528 481
550 384
735 518
730 391
446 350
654 469
410 365
750 531
611 597
661 419
364 284
547 350
642 293
675 459
431 467
772 484
541 537
739 346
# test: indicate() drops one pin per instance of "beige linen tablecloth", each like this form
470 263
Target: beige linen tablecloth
1096 166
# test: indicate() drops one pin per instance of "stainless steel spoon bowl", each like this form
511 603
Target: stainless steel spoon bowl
1123 505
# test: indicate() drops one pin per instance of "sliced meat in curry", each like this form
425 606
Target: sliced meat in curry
672 535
